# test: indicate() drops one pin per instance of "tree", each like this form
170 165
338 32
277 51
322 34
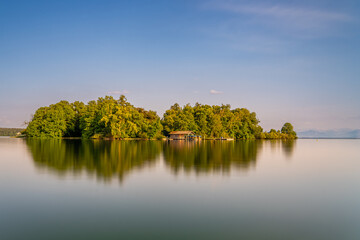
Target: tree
55 121
288 129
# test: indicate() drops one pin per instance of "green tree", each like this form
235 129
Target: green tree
289 130
55 121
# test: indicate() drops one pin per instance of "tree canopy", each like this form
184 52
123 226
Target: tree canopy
106 117
212 121
117 118
288 129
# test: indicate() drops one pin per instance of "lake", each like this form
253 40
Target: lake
97 189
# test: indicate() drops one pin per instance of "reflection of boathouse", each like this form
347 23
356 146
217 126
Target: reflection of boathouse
183 135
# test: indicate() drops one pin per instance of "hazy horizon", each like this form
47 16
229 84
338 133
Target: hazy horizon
287 61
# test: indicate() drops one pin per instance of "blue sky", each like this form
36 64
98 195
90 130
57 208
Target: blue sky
296 61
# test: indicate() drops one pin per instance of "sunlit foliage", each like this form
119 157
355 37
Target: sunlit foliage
106 117
287 132
117 118
55 121
213 121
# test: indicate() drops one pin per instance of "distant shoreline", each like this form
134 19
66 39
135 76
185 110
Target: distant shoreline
325 138
142 139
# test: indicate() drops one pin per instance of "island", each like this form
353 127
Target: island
112 118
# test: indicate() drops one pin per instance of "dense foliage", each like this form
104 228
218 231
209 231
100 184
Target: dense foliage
220 121
287 132
54 121
10 131
119 119
213 121
108 117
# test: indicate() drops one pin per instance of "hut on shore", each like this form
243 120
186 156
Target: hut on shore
183 135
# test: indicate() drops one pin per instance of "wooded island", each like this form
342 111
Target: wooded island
111 118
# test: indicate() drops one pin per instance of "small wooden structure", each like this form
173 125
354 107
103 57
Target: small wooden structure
183 135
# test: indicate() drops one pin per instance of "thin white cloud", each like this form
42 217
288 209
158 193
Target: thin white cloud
118 92
283 12
215 92
261 27
290 20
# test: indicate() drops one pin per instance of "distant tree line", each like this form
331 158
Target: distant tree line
10 131
111 118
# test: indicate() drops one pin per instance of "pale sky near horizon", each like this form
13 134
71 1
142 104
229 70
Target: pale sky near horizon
288 61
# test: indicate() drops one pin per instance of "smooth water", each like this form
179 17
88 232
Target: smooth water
84 189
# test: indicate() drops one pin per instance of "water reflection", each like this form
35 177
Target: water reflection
108 159
210 156
288 147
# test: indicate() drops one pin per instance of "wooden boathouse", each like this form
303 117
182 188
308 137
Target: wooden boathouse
183 135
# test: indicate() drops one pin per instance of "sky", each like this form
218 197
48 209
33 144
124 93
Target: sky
288 61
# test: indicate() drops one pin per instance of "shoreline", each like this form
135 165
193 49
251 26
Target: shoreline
179 140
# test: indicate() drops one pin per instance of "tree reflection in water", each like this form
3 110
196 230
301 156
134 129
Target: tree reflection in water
105 159
288 147
108 159
211 156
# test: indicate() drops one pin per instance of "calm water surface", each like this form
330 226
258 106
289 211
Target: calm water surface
84 189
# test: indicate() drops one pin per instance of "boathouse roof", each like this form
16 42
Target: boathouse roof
181 132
